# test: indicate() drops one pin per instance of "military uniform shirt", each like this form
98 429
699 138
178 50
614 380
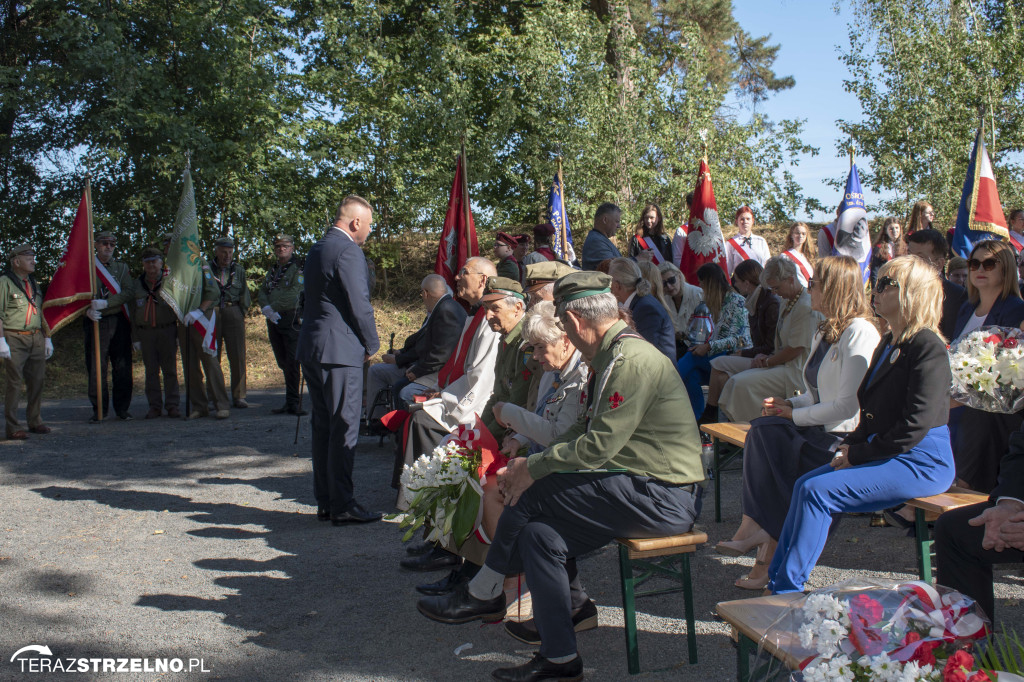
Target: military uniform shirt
146 311
17 312
120 272
282 287
232 278
511 378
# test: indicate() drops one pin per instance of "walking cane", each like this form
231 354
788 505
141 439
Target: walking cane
298 415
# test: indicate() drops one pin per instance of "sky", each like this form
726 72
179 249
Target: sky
809 32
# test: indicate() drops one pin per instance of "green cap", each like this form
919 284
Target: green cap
105 235
542 274
282 237
580 285
151 252
20 249
500 287
227 242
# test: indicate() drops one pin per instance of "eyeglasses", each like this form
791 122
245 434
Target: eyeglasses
810 284
988 265
464 272
670 280
884 283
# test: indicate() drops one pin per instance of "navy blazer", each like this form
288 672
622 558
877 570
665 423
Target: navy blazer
428 348
338 327
651 320
1006 312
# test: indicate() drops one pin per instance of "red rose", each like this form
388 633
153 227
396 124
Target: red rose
864 613
1010 343
979 676
923 654
957 667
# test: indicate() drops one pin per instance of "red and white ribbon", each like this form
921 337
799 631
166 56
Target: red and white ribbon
111 283
206 327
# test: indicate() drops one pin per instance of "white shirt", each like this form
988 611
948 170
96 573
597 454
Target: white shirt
976 322
758 250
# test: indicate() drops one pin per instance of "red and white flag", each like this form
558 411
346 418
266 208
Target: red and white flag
206 328
704 243
458 237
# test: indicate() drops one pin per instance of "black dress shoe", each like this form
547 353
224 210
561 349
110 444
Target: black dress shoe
125 416
323 513
418 548
354 514
459 606
585 618
444 585
541 668
298 411
279 410
435 560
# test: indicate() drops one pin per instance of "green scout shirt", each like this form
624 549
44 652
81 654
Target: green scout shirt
211 290
137 297
120 272
509 267
282 287
511 378
16 312
639 418
229 283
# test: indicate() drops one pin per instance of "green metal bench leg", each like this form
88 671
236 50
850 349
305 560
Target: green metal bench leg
924 546
745 647
629 610
691 625
718 480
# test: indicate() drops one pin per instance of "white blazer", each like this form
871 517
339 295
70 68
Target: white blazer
839 377
465 398
563 409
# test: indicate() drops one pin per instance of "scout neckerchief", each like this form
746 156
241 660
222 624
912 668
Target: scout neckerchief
275 275
28 288
546 252
456 365
231 278
152 300
592 389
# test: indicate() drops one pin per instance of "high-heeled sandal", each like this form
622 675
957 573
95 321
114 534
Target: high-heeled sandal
741 547
746 583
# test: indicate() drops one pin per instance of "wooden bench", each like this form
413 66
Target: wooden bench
723 436
750 620
954 498
657 557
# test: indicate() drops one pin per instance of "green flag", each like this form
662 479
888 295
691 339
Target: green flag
183 285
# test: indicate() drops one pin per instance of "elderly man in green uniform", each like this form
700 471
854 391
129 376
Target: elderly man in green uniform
215 394
154 324
23 347
232 303
112 277
629 468
278 298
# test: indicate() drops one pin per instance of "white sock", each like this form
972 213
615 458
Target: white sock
486 584
562 659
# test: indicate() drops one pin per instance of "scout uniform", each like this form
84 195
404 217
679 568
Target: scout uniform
511 375
20 303
280 292
214 391
154 324
112 278
231 303
538 276
509 267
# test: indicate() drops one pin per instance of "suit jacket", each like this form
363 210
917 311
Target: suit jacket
953 298
1011 470
338 327
907 397
428 348
1006 312
652 321
596 248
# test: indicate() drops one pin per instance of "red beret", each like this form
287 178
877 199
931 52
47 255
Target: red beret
543 230
506 238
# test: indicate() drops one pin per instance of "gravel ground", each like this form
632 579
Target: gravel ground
163 539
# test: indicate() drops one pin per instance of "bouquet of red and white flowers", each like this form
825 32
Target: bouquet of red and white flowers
988 369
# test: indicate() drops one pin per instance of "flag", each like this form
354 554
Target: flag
72 286
852 236
704 243
182 289
458 237
562 243
980 216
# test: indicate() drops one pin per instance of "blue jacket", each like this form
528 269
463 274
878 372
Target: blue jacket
1006 312
651 320
338 327
596 248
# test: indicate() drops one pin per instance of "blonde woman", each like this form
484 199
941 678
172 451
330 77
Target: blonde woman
800 250
682 298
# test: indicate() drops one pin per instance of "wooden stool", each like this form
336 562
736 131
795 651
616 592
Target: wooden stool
723 436
954 498
669 550
750 620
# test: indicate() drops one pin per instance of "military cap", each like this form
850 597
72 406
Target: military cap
20 249
580 285
151 252
282 237
541 274
500 287
522 239
105 235
227 242
507 239
543 231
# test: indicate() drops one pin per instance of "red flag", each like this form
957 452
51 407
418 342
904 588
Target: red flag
704 243
71 288
458 238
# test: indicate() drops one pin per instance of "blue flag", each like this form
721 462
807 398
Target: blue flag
852 236
980 216
562 243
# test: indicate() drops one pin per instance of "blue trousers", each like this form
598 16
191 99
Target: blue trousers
695 370
927 469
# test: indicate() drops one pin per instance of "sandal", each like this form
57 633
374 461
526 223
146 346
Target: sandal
747 583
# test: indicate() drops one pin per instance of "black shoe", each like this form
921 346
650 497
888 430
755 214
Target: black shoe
541 668
96 420
125 416
435 560
419 548
457 577
296 410
323 513
459 606
585 618
354 514
279 410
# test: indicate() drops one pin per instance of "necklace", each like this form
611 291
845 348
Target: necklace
791 303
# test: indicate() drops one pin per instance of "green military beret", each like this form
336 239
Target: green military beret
541 274
500 287
580 285
105 235
226 242
282 237
151 252
20 249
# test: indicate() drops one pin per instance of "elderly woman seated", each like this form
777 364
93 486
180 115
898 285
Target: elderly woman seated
650 317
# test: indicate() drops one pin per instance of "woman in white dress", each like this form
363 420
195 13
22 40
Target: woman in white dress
800 250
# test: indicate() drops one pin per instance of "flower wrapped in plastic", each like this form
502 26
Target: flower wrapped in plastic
875 630
988 369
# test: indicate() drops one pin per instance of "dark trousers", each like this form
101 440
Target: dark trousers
284 339
420 436
567 515
160 356
960 560
115 347
335 397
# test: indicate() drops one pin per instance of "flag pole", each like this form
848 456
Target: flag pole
465 196
95 294
561 188
850 149
186 370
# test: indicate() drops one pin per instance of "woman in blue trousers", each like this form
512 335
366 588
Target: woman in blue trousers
900 448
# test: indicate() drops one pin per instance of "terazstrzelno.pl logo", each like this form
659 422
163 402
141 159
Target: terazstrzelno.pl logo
45 662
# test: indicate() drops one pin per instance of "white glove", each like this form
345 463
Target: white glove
93 314
98 303
5 350
271 314
137 346
193 315
49 348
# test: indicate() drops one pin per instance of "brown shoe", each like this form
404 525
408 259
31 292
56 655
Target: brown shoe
222 414
174 413
42 428
17 435
154 413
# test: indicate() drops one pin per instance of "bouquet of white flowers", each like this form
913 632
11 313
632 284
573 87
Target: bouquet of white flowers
443 493
988 369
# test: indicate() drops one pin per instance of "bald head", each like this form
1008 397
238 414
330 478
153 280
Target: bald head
433 289
472 279
482 265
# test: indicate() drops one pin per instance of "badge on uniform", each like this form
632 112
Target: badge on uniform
208 275
301 280
894 357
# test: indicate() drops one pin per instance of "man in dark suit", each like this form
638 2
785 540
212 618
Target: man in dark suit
969 540
338 335
413 369
931 245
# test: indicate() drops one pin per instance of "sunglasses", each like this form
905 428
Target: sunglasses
670 280
987 265
884 283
